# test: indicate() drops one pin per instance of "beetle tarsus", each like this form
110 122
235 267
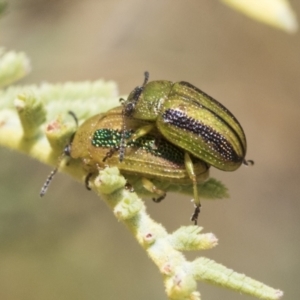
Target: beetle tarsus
195 215
109 154
248 163
87 181
159 199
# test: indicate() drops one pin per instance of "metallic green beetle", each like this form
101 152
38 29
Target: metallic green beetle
190 119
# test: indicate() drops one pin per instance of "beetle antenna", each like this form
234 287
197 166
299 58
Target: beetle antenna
128 109
47 182
138 90
146 75
51 176
74 117
129 106
65 152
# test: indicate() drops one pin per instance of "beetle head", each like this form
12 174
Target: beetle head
129 105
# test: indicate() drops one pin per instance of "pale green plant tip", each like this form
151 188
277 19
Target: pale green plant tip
277 13
13 66
58 134
110 180
189 238
208 270
32 114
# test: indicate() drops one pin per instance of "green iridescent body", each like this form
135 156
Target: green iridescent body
150 156
191 120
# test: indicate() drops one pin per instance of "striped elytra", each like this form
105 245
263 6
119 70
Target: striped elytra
191 120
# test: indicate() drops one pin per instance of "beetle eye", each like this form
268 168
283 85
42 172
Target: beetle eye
67 150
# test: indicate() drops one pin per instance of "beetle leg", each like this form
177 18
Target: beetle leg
195 214
149 186
139 133
87 181
109 153
190 170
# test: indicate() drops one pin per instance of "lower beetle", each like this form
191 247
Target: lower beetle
190 119
151 156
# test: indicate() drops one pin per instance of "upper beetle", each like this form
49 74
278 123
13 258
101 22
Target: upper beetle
190 119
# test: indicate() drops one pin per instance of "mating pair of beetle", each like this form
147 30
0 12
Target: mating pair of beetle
164 130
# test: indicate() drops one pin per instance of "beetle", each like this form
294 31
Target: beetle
96 142
190 119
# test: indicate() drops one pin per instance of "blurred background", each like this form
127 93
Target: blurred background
68 245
